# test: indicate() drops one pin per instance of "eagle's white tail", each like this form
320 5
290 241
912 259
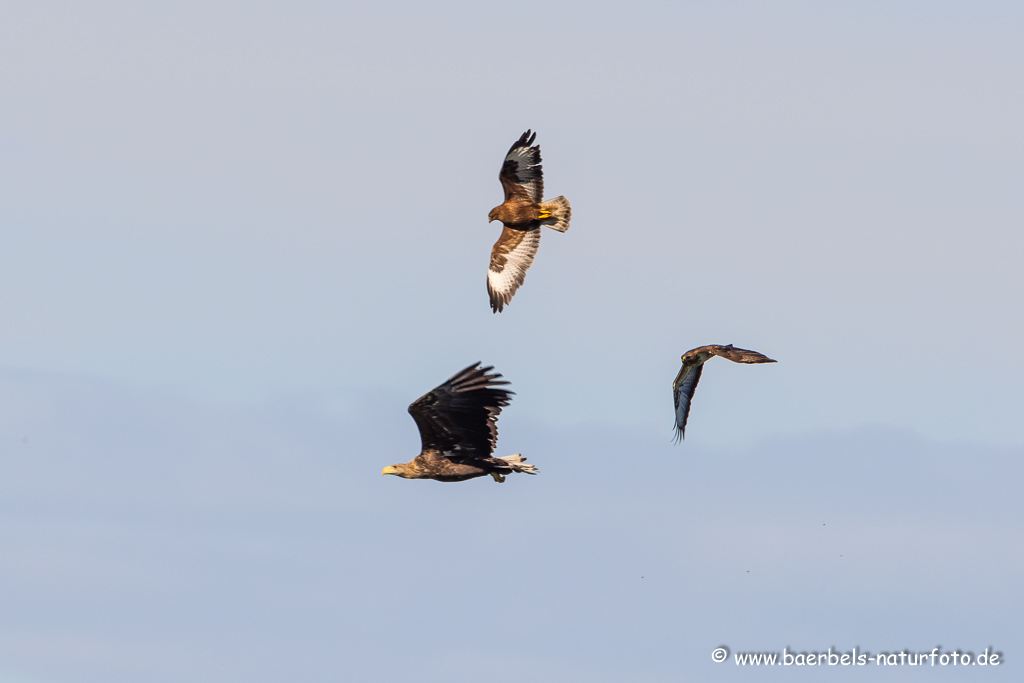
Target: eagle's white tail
518 463
560 213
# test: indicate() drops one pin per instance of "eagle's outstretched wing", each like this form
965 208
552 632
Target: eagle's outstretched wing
460 416
682 391
511 256
738 355
521 175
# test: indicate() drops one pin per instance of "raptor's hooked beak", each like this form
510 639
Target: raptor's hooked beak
390 469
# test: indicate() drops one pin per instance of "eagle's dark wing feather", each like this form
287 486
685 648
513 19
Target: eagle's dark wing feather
521 175
459 418
739 355
682 390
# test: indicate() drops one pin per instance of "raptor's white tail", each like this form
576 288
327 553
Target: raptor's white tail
561 212
518 463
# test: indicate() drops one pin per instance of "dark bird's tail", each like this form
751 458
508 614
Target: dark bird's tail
518 463
561 212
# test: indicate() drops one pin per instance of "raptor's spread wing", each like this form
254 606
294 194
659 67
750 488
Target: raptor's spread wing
511 257
739 355
521 175
459 418
682 390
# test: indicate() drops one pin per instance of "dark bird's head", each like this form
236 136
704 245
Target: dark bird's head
493 215
696 356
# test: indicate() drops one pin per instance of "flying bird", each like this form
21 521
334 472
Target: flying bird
522 213
458 428
693 364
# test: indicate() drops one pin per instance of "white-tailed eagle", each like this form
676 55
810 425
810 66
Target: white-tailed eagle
458 429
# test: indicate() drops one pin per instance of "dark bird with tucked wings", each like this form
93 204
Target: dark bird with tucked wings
458 428
522 213
689 375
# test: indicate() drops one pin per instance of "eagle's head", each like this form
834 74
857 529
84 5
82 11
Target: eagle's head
393 469
493 215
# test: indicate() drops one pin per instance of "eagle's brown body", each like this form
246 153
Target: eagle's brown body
434 465
458 429
522 214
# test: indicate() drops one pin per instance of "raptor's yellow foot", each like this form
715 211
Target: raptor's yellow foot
545 214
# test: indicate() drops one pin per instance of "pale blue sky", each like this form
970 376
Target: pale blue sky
241 199
275 214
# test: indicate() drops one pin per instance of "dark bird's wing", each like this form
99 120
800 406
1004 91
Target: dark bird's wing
682 391
521 175
738 355
460 416
511 256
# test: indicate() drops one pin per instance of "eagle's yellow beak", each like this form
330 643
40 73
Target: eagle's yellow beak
390 469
